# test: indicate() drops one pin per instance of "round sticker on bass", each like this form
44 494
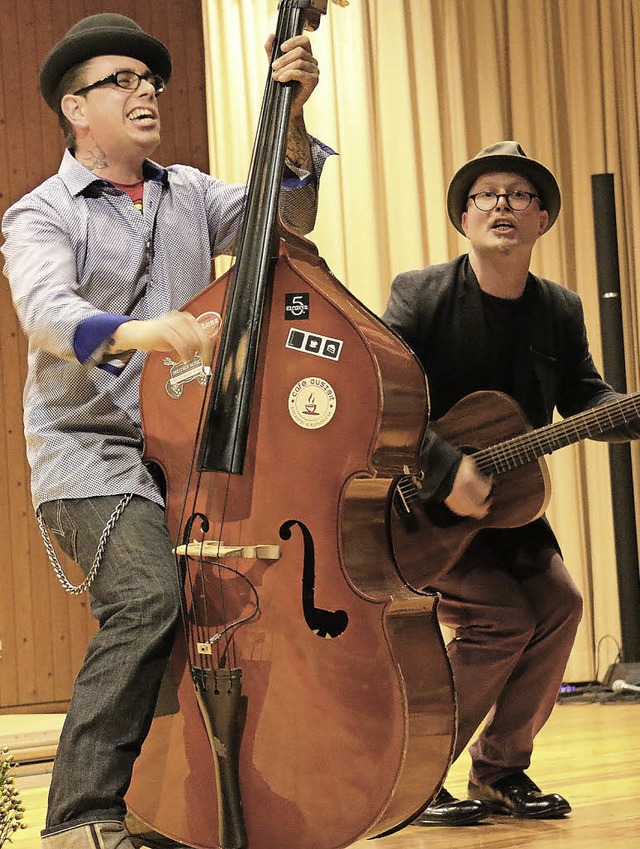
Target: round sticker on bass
312 402
212 322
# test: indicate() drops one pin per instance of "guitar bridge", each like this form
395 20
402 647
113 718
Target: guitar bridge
400 502
405 492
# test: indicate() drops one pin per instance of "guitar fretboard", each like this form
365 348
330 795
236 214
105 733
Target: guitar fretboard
527 447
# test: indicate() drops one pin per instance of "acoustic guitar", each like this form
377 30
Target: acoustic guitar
427 538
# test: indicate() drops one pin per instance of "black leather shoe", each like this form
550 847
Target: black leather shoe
447 810
517 795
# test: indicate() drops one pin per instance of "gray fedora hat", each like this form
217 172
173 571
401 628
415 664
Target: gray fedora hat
101 35
503 156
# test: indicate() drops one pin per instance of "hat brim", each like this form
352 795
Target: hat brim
114 41
535 172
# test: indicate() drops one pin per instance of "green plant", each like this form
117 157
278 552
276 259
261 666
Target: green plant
11 808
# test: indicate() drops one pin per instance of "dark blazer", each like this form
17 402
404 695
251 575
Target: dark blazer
438 311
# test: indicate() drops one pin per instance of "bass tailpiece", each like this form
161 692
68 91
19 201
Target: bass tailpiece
218 692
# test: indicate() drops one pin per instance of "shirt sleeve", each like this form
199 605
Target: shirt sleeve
298 201
402 311
439 460
299 192
580 385
40 265
91 340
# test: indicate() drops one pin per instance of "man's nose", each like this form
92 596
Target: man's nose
146 87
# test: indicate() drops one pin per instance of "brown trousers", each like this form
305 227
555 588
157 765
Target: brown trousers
514 630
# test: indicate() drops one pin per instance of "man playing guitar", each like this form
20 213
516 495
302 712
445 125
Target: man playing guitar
484 322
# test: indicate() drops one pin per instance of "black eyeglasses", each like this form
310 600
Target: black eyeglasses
128 80
517 200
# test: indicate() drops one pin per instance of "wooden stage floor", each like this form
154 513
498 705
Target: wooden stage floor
588 752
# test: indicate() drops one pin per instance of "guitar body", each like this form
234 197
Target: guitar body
429 539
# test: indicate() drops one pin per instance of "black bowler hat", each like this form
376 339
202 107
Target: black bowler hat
503 156
105 34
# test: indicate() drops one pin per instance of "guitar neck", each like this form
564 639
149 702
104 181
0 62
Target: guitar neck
527 447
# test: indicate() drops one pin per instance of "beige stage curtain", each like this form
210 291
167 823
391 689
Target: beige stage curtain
411 89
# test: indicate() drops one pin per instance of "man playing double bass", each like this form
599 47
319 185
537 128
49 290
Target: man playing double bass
100 258
484 322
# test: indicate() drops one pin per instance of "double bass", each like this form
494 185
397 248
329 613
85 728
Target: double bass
308 702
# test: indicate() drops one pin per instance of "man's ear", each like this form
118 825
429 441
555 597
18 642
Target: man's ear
463 223
73 110
544 221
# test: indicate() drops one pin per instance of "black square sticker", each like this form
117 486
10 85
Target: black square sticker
331 349
296 307
296 339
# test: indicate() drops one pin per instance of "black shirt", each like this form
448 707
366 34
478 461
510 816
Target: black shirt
506 336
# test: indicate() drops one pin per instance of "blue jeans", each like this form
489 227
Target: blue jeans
136 599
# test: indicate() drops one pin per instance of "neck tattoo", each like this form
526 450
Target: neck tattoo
94 159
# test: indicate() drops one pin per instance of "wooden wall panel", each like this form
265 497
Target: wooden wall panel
44 631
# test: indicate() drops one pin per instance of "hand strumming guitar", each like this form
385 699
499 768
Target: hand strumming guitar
471 492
